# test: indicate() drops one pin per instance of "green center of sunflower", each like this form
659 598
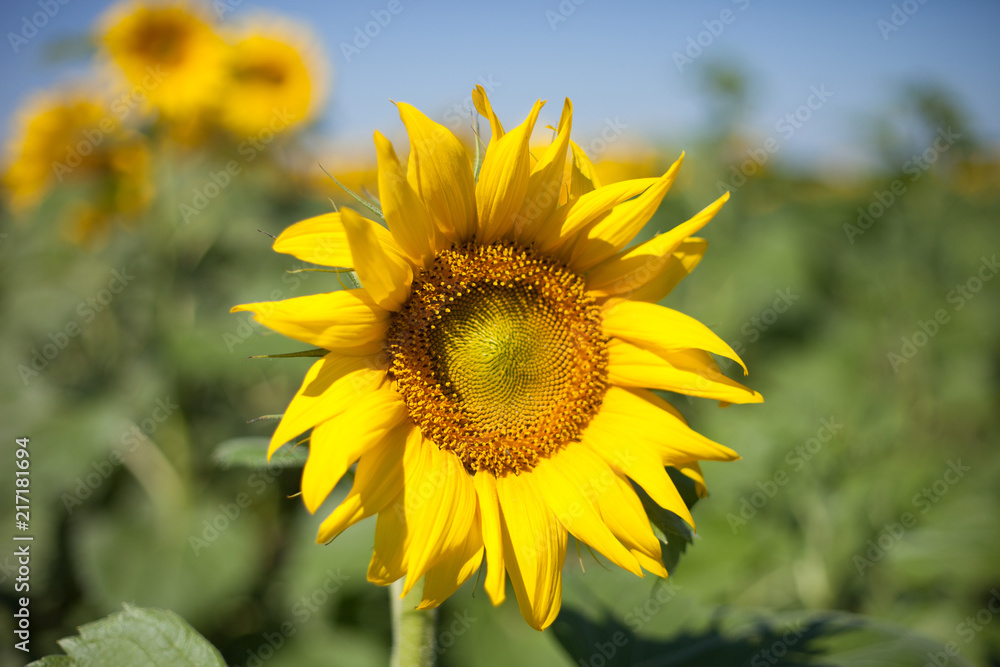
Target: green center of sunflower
499 356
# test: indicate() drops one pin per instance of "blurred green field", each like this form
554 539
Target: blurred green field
868 478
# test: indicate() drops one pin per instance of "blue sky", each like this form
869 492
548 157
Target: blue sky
616 60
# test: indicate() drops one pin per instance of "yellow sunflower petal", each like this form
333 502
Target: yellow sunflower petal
653 421
342 319
429 519
534 546
440 507
388 555
484 108
640 463
392 534
341 440
612 232
386 277
631 268
377 482
582 177
564 479
662 282
453 570
662 330
322 240
440 171
691 372
503 180
562 227
622 510
489 511
542 195
329 388
650 564
404 212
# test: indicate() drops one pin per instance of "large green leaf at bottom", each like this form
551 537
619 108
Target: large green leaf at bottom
610 621
136 637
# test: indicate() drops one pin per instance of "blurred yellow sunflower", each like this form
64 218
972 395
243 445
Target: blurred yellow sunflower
625 163
491 376
275 78
64 137
169 53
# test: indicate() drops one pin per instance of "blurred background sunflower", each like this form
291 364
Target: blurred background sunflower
170 51
853 269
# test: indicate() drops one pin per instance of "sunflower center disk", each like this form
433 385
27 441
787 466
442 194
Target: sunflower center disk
499 356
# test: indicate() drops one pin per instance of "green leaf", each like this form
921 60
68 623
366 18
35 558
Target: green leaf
735 637
136 637
252 453
316 352
673 532
53 661
361 200
478 162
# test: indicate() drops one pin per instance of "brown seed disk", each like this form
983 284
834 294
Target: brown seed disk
499 355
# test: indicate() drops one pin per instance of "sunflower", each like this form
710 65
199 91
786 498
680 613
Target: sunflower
45 145
71 136
169 54
273 75
491 378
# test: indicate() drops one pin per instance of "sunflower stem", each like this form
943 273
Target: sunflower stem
412 629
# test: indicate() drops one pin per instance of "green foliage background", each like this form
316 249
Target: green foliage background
787 532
